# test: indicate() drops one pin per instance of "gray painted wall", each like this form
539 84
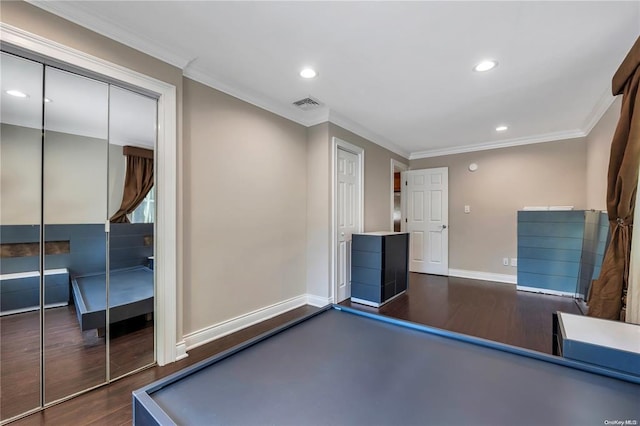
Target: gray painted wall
245 203
75 177
507 179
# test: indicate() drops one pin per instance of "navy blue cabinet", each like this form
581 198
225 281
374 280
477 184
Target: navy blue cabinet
560 252
379 267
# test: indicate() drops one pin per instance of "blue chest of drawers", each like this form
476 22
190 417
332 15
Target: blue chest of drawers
379 267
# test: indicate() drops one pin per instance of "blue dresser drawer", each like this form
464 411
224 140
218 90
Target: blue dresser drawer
366 275
367 292
20 292
362 242
366 259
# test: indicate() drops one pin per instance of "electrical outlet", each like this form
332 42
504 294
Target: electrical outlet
467 209
505 261
514 261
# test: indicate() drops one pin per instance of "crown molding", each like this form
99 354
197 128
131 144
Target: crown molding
546 137
600 108
290 112
49 48
111 29
350 125
305 118
76 13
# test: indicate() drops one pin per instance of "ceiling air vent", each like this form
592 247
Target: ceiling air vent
307 104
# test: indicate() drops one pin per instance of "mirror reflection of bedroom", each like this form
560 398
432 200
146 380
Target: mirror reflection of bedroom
77 203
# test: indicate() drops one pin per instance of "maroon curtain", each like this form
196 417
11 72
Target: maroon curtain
607 295
138 181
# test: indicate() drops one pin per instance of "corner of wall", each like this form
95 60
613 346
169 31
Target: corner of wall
598 144
318 215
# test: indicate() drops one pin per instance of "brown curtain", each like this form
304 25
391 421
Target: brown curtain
607 293
138 181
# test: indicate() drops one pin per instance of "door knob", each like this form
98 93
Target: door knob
444 226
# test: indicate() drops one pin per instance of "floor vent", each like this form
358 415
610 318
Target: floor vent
308 104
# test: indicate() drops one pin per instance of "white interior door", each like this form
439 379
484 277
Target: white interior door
347 217
427 217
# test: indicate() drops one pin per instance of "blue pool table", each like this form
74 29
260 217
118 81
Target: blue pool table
343 366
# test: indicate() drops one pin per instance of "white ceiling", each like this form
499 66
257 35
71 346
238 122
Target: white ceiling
399 73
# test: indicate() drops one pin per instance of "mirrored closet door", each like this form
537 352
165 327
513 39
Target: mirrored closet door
132 130
74 213
20 218
76 233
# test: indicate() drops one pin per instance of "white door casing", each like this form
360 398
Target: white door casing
427 218
347 212
347 178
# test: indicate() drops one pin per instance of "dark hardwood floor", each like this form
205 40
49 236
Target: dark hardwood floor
111 405
74 360
19 363
483 309
492 311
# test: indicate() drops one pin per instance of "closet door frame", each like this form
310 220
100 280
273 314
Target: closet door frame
167 348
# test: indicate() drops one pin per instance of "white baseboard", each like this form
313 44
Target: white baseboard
545 291
181 350
216 331
484 276
318 301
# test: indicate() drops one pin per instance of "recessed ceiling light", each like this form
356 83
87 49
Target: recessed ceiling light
486 65
308 73
501 128
17 94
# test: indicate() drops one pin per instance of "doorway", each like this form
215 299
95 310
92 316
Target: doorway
397 201
348 210
427 198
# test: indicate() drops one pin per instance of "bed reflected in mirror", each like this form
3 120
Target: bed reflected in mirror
77 201
74 211
132 129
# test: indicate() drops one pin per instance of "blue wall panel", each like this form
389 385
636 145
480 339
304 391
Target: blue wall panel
603 241
550 249
549 254
88 247
543 242
549 267
553 229
561 250
547 282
